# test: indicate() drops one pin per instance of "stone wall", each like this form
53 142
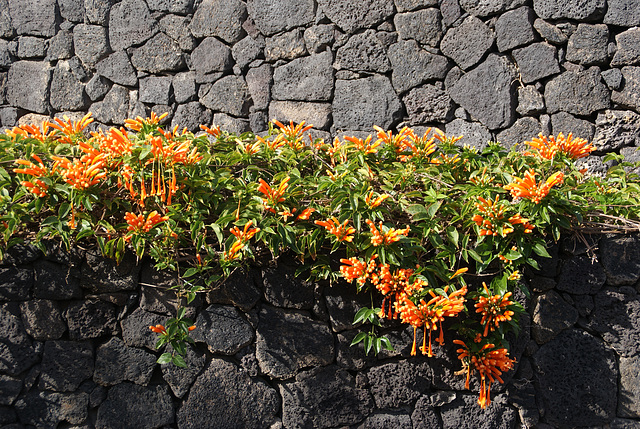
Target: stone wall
491 70
273 351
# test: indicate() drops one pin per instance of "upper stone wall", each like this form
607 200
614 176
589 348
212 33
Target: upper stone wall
501 70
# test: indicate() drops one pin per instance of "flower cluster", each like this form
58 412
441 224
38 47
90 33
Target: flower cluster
528 188
493 220
549 147
341 231
494 309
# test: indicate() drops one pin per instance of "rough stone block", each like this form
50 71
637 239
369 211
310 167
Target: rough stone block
33 17
426 104
159 54
628 48
530 101
588 44
90 43
60 46
424 26
486 92
49 409
17 351
191 115
616 318
219 18
90 318
351 16
616 129
536 61
42 319
515 28
210 56
551 315
423 67
116 362
67 92
229 95
184 87
316 114
629 392
130 24
579 10
112 109
578 93
463 412
271 17
550 32
177 28
394 385
72 10
180 379
565 123
172 6
97 11
118 69
467 43
152 407
524 129
231 124
475 134
97 88
223 329
629 94
259 81
363 52
319 37
249 49
304 79
31 47
489 7
622 12
360 103
28 85
6 28
15 283
65 365
155 90
285 46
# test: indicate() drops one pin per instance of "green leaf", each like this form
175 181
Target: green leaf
179 361
540 250
361 315
164 358
358 338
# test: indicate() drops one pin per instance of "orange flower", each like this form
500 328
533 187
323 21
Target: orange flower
32 169
375 202
341 231
138 223
37 187
489 362
84 172
158 329
306 213
352 269
418 147
365 145
273 197
529 189
493 309
492 222
291 130
441 136
215 132
246 234
380 237
191 328
137 123
547 148
70 128
249 148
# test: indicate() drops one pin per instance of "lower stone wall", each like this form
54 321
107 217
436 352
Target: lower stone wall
273 351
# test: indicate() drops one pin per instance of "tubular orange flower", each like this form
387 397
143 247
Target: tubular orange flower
528 188
158 329
352 269
490 364
291 130
493 309
395 142
418 147
273 197
375 202
246 234
548 147
365 145
70 128
492 220
441 136
32 169
341 231
306 213
391 235
37 187
40 133
137 123
138 223
215 132
82 173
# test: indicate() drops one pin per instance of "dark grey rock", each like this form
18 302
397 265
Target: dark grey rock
363 52
248 49
116 362
67 92
135 328
226 395
422 67
48 409
576 374
324 397
628 50
28 85
316 114
258 121
223 329
595 165
177 28
486 92
352 16
580 275
622 12
285 46
72 10
5 58
271 17
620 257
65 365
515 28
230 124
475 134
283 289
536 61
304 79
159 54
384 420
550 32
130 24
97 11
615 318
181 379
211 56
288 341
524 129
407 5
9 389
259 81
629 391
489 7
450 10
53 281
581 10
15 283
60 46
118 69
551 315
616 129
21 254
425 414
424 26
464 413
6 28
619 423
399 384
360 103
239 289
219 18
427 104
152 407
343 303
33 17
90 43
8 118
578 93
155 90
78 69
17 351
352 357
565 123
629 95
112 109
104 275
42 319
90 318
588 44
229 95
31 47
319 37
184 87
172 6
530 101
191 115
